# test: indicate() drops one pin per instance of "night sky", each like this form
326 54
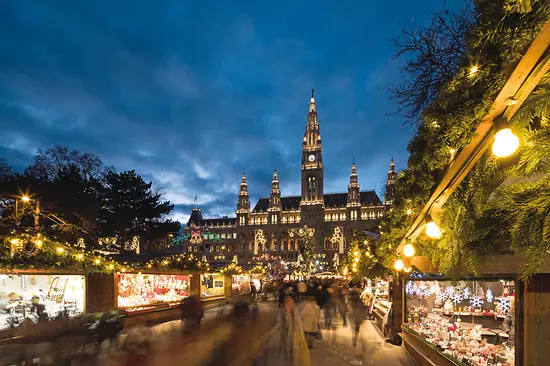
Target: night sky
191 93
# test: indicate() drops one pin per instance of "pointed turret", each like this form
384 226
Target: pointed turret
353 188
389 195
243 205
274 200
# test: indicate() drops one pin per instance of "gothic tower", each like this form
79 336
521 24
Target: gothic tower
354 198
312 203
275 200
243 205
389 195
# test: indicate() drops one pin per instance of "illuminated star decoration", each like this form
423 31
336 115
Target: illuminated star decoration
504 303
476 302
489 295
458 297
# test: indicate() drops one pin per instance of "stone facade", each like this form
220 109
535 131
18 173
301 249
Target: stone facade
277 223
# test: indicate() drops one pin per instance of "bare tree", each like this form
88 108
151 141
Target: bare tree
432 57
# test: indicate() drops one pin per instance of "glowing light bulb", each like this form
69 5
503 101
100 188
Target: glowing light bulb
38 243
408 251
473 70
356 253
97 261
25 199
506 143
356 260
409 211
79 256
60 250
14 241
111 266
408 269
398 265
432 230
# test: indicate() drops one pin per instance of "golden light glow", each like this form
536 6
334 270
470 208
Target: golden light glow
25 199
473 70
354 269
356 253
149 266
38 243
111 266
408 251
14 241
409 211
97 261
80 256
354 265
356 260
408 269
123 269
60 250
432 230
398 265
505 144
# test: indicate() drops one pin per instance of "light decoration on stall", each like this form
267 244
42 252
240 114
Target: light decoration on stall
504 303
449 291
107 242
466 293
231 269
132 246
196 237
458 297
442 295
259 240
337 238
80 243
336 261
476 302
489 295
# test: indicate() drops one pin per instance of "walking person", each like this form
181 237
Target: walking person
329 306
359 312
191 314
291 345
343 303
310 315
301 286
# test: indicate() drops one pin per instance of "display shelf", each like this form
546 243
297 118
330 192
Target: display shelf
420 352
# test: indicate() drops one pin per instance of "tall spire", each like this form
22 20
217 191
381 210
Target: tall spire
354 197
275 197
389 195
243 204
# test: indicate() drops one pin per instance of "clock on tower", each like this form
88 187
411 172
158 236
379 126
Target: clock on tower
311 158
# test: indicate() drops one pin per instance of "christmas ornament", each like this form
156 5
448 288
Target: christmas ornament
476 302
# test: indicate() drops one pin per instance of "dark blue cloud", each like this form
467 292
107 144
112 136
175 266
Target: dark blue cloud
191 93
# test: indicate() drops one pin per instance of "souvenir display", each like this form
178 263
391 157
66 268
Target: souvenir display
212 285
469 327
142 291
39 296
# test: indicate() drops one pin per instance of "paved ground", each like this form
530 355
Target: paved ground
336 348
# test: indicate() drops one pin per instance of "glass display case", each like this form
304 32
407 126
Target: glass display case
212 285
40 296
469 322
144 291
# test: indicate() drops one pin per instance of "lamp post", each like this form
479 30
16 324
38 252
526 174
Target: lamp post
24 199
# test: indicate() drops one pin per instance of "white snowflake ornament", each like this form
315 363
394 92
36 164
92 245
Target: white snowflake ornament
476 302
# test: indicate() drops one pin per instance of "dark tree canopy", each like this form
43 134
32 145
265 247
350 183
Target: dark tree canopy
432 56
47 163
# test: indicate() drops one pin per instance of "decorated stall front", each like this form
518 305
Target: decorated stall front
212 286
461 322
40 296
144 291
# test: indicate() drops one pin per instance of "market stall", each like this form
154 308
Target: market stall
35 296
212 286
144 291
465 322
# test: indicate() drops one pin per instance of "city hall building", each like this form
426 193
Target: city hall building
277 224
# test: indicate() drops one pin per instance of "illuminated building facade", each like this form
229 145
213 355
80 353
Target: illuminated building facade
277 223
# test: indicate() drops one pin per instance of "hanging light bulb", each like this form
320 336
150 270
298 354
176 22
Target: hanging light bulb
398 265
408 251
432 230
506 143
